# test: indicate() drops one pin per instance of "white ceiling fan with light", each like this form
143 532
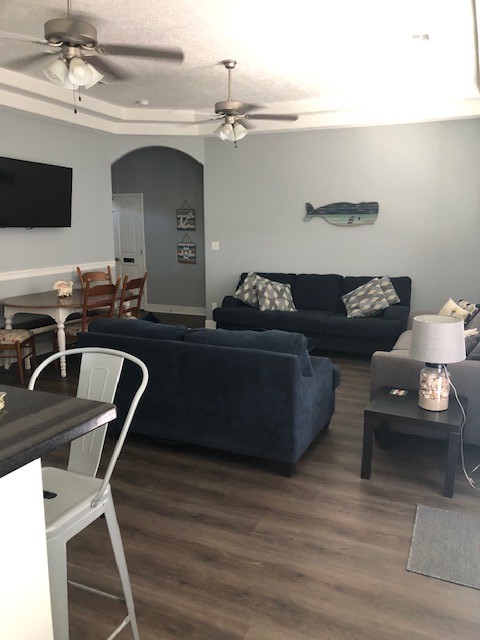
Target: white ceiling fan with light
81 59
235 114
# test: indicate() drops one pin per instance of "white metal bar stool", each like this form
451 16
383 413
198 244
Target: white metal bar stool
74 497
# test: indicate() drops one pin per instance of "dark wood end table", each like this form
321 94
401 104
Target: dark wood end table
387 412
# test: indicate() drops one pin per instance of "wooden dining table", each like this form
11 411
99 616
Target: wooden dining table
46 303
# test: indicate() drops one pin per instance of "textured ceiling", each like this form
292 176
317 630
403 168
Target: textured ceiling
312 53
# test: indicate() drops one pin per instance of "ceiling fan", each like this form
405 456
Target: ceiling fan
237 114
82 60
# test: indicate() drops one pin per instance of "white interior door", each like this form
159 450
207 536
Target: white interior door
129 236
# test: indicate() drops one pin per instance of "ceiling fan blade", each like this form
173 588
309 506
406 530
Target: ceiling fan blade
248 107
164 53
107 68
245 123
287 117
20 37
25 61
207 120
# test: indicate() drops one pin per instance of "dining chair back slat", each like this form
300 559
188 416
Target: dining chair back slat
95 276
131 296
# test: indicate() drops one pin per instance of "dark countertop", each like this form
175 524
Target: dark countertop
33 423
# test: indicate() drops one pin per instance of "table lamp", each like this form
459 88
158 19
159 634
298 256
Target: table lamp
437 341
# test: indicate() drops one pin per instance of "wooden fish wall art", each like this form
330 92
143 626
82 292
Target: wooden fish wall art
344 214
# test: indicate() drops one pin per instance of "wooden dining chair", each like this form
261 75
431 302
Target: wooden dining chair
98 302
19 344
95 276
131 297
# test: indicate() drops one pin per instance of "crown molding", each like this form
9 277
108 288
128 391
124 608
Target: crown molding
39 97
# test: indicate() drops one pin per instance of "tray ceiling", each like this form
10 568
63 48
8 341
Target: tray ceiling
336 62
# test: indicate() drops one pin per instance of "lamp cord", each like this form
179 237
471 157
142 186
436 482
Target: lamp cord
466 473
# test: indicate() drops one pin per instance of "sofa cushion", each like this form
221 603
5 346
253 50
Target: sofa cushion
244 316
366 300
474 322
277 341
474 353
472 338
303 321
339 325
319 292
274 296
138 328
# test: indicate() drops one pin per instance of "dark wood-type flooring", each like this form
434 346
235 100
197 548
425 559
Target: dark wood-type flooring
220 547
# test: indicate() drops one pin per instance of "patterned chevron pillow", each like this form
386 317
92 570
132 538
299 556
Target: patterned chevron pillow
275 296
366 300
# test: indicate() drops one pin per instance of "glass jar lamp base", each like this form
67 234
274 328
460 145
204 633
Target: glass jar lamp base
434 388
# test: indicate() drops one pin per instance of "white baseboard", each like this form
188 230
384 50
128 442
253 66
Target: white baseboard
166 308
210 324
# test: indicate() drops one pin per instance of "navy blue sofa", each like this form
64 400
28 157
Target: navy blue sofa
240 398
321 313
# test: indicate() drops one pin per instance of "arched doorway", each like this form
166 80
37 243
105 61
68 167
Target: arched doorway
167 180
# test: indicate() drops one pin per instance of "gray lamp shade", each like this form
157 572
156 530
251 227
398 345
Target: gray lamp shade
437 339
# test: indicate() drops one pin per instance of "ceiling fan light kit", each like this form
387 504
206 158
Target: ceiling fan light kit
231 131
76 42
72 74
236 114
57 72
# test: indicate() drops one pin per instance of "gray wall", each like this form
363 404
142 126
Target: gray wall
29 138
425 177
31 260
166 177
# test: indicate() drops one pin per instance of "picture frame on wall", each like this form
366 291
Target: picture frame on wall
187 252
186 220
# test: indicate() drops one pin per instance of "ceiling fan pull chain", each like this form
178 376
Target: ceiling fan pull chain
74 101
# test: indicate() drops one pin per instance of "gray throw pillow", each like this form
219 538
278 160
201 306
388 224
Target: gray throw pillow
388 290
247 292
275 296
366 300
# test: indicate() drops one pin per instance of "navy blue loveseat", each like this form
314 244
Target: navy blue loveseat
321 313
257 394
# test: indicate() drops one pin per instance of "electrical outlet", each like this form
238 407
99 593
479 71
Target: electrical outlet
215 246
214 305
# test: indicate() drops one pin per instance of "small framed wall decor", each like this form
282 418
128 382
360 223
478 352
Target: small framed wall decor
186 251
185 218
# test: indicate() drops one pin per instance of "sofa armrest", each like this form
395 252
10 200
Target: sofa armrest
397 312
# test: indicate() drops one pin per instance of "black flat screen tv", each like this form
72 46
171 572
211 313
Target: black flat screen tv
33 194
